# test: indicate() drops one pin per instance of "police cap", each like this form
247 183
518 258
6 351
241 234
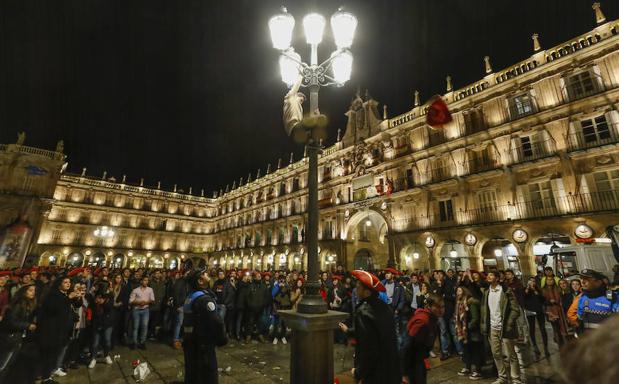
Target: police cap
194 276
593 274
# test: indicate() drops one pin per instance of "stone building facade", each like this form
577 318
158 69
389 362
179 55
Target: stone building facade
531 159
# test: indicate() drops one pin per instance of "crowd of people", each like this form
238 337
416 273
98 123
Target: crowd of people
54 319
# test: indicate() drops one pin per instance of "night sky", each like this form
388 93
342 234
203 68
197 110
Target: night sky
188 91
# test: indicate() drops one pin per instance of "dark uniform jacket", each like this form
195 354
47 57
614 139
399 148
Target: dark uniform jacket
204 330
376 353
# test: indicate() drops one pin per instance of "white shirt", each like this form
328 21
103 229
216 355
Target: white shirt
494 305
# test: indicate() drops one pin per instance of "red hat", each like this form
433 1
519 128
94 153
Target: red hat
5 273
393 271
75 271
336 277
369 280
266 274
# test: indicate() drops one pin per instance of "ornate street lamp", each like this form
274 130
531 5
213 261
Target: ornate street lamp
335 71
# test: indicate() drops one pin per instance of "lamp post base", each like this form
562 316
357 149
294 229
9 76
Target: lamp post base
311 357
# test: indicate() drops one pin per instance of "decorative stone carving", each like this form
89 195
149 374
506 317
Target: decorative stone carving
603 160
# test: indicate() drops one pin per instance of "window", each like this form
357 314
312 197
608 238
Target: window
487 201
446 212
607 186
580 85
474 121
595 130
363 231
527 148
541 195
409 178
521 105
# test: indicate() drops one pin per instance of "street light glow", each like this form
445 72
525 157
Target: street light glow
314 25
281 27
341 66
498 252
289 68
343 25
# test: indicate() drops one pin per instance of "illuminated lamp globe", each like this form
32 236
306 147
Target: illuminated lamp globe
343 25
289 69
341 65
281 27
415 255
313 25
368 223
498 252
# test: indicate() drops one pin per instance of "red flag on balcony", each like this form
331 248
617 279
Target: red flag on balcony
438 113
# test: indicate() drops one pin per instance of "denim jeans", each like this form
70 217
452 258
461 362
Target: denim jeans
240 321
178 323
140 322
448 334
107 341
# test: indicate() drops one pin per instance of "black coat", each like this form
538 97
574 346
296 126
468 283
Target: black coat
376 352
230 295
103 315
257 295
242 291
55 320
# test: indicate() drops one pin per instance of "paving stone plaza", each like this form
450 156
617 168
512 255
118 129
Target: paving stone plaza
257 363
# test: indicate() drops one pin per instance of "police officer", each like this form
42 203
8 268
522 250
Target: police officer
203 330
597 303
376 353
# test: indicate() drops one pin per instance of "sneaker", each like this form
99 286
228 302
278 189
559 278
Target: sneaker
59 372
463 372
49 380
108 360
92 363
475 376
499 381
432 354
275 341
142 346
444 357
284 341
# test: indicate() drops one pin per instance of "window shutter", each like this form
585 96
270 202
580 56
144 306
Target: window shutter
612 117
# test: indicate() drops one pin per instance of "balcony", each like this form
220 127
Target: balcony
533 151
481 164
591 138
568 205
440 174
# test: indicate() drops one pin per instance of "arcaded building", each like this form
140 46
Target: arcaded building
531 159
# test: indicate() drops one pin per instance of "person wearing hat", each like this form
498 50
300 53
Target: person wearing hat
376 354
203 330
596 303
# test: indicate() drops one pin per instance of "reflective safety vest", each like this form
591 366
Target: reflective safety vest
593 311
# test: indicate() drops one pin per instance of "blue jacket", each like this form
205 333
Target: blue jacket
594 310
397 300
